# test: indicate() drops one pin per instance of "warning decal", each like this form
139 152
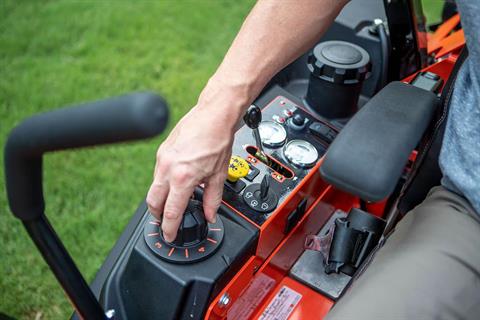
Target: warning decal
251 298
282 305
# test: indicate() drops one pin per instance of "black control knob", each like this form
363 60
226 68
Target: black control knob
260 196
196 239
253 117
298 120
193 228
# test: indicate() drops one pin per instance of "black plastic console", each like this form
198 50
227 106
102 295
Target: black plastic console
148 287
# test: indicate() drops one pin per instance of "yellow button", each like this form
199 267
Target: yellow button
238 168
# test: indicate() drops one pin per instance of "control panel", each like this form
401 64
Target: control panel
291 144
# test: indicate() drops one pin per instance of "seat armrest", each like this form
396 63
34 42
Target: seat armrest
368 156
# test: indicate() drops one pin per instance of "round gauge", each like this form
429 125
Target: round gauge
301 153
273 134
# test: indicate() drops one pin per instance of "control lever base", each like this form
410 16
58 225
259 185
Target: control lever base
183 254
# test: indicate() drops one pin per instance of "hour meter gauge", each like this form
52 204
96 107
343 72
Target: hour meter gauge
301 153
273 134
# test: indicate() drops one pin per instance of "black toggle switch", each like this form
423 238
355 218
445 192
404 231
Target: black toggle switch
323 132
252 173
298 120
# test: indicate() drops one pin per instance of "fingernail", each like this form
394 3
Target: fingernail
167 237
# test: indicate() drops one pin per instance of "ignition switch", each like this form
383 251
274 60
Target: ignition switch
260 196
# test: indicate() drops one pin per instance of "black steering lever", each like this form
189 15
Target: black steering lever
130 117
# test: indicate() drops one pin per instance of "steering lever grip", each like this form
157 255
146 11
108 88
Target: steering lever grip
252 119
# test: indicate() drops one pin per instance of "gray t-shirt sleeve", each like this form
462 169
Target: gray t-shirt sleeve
470 17
460 154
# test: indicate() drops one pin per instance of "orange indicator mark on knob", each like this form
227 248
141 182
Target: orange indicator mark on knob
158 245
211 240
171 251
186 253
157 223
201 249
215 229
153 234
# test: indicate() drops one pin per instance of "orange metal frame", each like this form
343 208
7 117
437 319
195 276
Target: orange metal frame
446 39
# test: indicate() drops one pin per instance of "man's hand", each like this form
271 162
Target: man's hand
197 151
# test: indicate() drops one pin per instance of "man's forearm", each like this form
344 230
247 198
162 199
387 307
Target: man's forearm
199 147
274 34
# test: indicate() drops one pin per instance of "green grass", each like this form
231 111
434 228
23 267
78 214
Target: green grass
433 10
55 53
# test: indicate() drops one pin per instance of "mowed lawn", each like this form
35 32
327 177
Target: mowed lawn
56 53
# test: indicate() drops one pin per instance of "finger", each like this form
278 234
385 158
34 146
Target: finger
156 197
212 197
175 206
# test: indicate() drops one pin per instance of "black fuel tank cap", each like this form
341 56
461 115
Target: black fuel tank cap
341 53
339 62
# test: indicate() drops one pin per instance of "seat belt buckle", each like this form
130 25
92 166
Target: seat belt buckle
348 242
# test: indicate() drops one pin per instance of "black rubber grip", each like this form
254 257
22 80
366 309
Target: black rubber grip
125 118
253 117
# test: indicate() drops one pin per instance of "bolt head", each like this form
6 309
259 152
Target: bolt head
224 300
